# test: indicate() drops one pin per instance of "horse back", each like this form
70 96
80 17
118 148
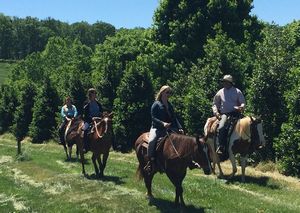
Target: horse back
211 126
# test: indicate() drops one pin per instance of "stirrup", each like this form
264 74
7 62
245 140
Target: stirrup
220 150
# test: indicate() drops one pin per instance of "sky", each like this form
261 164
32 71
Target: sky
130 13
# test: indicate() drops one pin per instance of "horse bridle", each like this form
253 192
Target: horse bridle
105 119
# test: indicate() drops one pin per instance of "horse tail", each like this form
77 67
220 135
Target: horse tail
138 149
139 172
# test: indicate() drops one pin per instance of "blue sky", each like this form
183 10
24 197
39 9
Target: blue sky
129 13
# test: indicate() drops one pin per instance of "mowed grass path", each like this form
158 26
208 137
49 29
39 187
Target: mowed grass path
45 182
5 69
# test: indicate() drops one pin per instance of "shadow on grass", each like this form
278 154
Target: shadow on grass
115 179
168 206
261 181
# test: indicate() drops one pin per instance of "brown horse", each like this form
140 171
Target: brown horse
73 135
175 154
101 140
246 137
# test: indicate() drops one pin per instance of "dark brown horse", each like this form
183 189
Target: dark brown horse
73 135
174 156
101 140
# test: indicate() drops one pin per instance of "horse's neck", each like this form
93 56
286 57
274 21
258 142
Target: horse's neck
184 145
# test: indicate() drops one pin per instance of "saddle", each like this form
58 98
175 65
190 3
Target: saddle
159 146
159 143
213 124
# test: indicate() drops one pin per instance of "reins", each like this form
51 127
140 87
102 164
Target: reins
172 142
96 124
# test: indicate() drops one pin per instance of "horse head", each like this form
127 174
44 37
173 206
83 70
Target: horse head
202 158
256 130
104 126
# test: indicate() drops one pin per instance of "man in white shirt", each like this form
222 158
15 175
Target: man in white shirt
229 101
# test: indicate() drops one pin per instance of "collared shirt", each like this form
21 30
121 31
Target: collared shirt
69 112
226 99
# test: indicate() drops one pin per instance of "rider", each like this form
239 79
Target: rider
68 112
92 109
229 101
163 118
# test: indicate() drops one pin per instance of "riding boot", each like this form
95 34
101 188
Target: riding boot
86 146
222 141
61 135
61 139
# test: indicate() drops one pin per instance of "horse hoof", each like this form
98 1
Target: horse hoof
150 199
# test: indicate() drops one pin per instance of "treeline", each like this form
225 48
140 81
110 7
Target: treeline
21 37
191 45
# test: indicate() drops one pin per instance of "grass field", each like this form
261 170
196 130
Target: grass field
41 180
4 71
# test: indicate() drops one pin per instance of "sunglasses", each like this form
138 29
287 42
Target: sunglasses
169 92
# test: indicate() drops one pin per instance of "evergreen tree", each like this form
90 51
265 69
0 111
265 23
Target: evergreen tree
8 104
45 106
132 106
23 114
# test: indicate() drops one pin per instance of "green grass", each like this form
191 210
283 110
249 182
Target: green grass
44 182
5 69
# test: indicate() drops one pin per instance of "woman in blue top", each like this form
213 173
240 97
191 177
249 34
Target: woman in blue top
163 118
68 112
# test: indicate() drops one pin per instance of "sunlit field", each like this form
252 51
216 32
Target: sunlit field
41 180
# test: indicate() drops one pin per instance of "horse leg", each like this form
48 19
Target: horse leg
148 183
70 152
233 163
103 164
176 179
82 161
77 153
94 158
216 160
66 151
243 166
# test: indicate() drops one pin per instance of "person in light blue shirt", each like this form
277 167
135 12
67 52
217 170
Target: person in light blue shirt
68 112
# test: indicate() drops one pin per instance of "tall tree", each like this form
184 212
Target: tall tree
132 105
23 113
188 23
45 107
269 81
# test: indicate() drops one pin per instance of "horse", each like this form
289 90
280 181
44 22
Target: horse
174 155
246 137
101 140
73 135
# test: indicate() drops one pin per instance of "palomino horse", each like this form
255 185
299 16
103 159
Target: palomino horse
174 155
101 140
246 137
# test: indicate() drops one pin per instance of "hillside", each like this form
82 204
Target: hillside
43 181
4 71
